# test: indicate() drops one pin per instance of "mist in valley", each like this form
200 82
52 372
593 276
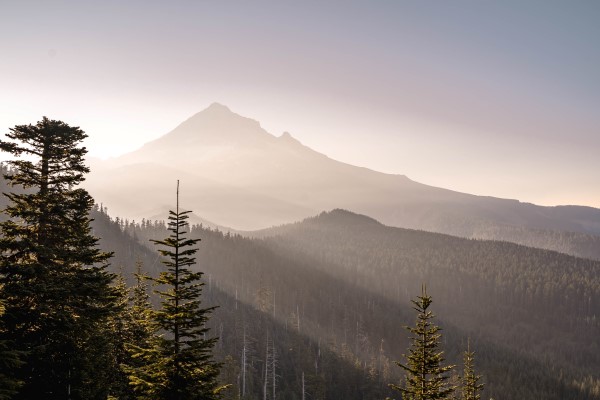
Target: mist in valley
299 201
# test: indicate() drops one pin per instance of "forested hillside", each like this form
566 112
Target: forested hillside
505 292
327 299
533 340
251 338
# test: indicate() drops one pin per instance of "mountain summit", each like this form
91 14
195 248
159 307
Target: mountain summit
235 173
217 125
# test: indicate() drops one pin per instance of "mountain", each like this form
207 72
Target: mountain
236 174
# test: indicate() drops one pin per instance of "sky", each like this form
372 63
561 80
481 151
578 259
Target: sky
497 98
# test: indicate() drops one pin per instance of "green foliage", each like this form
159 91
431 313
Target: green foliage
471 387
133 329
178 364
120 333
10 360
52 275
141 326
426 378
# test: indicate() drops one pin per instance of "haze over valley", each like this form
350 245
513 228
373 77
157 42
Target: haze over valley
237 175
275 200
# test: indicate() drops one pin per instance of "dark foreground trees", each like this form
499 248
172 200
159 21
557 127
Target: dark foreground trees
10 360
178 365
53 278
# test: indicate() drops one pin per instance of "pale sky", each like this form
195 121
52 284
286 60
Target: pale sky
494 98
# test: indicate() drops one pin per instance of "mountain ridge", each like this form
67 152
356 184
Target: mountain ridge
262 180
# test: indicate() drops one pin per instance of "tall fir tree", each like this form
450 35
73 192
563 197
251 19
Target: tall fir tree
53 278
471 388
179 365
426 378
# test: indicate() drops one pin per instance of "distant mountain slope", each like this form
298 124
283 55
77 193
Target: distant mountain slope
144 190
534 301
236 174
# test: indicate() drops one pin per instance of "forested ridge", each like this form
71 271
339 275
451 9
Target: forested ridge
316 274
481 285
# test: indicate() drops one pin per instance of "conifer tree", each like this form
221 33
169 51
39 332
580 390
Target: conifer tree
52 276
141 326
426 377
131 329
471 387
120 333
10 360
179 364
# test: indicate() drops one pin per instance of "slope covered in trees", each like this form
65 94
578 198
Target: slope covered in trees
321 305
261 356
314 277
252 342
505 292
